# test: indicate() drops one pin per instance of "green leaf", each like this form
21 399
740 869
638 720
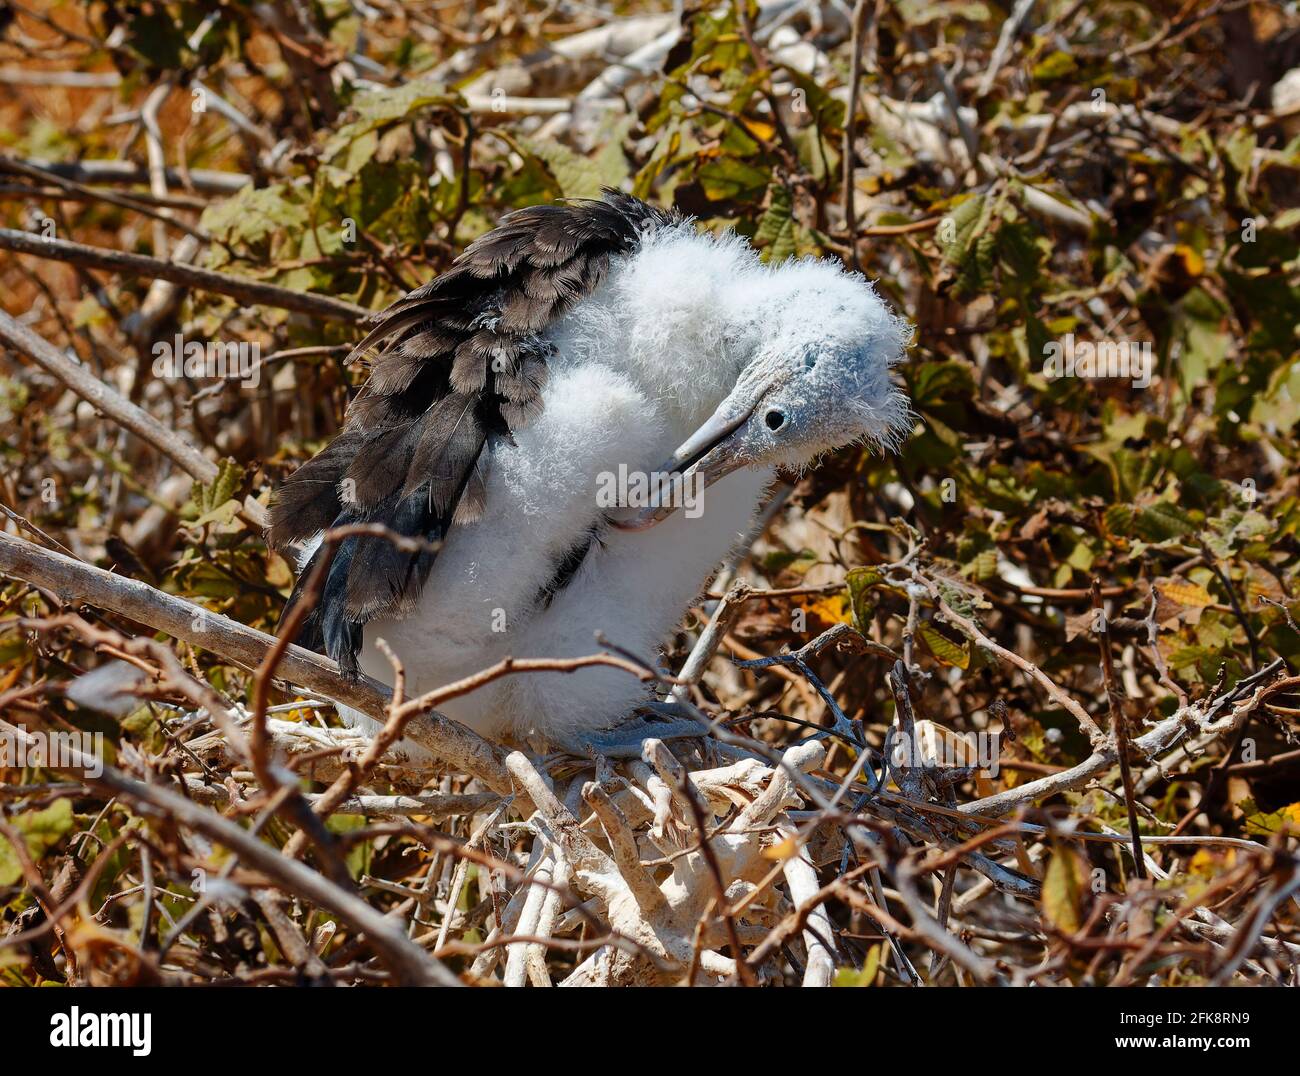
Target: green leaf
826 110
378 108
983 565
710 43
731 179
1119 519
1280 404
920 12
1163 522
1268 823
221 515
957 236
775 234
945 650
210 496
861 581
1235 528
41 831
940 383
970 246
583 177
1053 66
254 215
359 854
782 559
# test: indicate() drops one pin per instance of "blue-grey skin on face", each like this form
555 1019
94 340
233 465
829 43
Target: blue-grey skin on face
804 393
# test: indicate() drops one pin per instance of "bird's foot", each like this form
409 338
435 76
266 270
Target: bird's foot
652 720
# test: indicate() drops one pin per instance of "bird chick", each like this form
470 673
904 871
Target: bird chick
572 350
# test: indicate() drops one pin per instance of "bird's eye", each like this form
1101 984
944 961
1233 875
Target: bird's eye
774 419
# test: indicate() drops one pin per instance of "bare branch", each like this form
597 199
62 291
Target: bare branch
245 291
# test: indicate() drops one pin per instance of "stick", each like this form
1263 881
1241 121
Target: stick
1160 739
724 616
246 291
855 74
1006 37
19 338
107 400
1118 727
411 964
433 805
972 631
407 961
19 168
819 931
75 583
203 180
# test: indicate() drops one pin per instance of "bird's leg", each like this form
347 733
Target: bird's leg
624 740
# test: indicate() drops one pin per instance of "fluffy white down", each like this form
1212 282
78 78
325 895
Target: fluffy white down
640 365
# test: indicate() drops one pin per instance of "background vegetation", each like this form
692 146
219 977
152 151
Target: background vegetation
1010 174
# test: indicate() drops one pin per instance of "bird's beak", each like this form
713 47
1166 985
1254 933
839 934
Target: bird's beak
710 453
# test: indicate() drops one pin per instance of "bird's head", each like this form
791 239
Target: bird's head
817 345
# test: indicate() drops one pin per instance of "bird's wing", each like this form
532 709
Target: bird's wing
455 362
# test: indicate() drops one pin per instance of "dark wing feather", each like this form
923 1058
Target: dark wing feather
455 363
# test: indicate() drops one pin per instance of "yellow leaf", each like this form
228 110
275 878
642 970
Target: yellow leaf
865 977
1192 260
1262 823
945 651
782 850
872 964
1207 862
306 714
1192 595
834 609
278 572
1063 890
1259 584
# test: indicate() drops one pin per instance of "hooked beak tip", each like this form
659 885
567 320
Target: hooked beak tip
642 520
